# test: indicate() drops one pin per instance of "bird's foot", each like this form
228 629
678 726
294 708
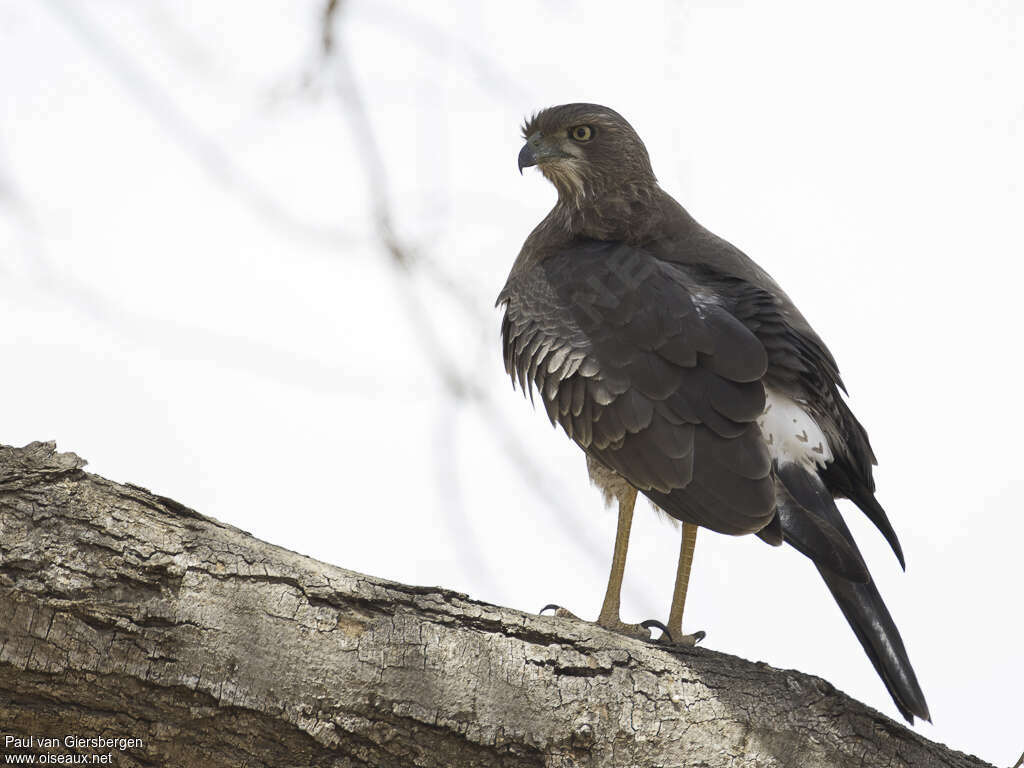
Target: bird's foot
683 641
636 631
558 611
675 639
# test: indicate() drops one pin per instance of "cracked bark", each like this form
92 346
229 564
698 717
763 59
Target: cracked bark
126 614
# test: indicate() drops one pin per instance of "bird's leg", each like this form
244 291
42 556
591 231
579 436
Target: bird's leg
675 615
686 544
609 616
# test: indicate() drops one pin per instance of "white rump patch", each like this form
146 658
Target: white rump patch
792 434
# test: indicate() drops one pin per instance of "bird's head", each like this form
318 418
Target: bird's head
584 150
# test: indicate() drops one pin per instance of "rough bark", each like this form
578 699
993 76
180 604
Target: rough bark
125 614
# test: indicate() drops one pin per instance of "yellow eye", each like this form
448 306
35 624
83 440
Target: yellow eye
581 133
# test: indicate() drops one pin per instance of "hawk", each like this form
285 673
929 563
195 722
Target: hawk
686 374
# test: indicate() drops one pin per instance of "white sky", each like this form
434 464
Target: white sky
193 300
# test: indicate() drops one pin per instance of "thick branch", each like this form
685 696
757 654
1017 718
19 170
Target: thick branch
125 614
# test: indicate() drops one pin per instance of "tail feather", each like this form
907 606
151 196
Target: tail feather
838 479
805 506
867 615
869 506
798 496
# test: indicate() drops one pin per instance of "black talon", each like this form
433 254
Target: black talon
699 635
549 607
655 623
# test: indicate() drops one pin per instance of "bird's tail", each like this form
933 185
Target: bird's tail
870 620
805 510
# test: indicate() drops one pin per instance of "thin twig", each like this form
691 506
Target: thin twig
187 341
211 156
406 263
439 43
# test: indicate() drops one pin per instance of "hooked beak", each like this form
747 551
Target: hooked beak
527 157
537 151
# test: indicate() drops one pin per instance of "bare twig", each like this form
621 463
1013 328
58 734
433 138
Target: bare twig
327 27
438 43
210 155
406 262
191 342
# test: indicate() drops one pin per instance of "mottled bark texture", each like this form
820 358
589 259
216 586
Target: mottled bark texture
125 614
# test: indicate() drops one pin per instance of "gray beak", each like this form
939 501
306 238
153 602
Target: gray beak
537 151
527 156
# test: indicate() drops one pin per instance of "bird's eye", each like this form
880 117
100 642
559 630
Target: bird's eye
582 132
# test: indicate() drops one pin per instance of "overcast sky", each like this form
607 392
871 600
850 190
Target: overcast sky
194 297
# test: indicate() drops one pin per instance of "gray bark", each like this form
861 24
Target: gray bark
125 614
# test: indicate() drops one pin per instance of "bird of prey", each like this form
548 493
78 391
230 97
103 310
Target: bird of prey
686 374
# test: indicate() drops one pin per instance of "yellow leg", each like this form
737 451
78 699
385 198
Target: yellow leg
675 614
609 616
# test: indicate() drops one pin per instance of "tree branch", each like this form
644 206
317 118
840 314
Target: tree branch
124 614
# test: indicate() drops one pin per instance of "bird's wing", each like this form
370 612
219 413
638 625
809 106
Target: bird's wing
648 376
800 365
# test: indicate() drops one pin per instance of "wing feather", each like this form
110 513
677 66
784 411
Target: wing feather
660 388
800 365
